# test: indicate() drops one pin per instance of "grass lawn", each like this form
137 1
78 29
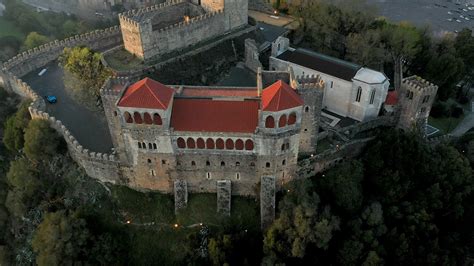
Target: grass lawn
9 29
161 243
445 124
122 60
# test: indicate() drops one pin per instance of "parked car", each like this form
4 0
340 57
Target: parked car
51 98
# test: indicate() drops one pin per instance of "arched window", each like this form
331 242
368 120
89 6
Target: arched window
128 117
270 122
283 146
143 145
210 143
181 143
229 144
239 144
359 94
157 119
137 117
220 144
306 109
200 143
193 163
154 146
372 97
249 145
267 165
190 143
237 163
149 160
282 121
150 146
139 145
292 119
222 163
283 162
147 118
208 163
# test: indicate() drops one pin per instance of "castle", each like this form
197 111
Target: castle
202 134
177 24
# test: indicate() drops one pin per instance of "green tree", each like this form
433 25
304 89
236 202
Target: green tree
60 239
34 39
301 222
15 127
41 141
219 248
401 42
344 185
22 178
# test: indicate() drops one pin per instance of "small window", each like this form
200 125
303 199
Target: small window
359 94
154 146
283 147
237 176
208 175
193 163
139 145
222 163
252 164
283 162
152 172
149 160
150 146
208 163
143 145
332 83
237 164
115 113
267 165
305 130
306 109
163 161
269 122
372 97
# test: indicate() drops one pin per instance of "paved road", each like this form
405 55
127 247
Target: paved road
464 126
431 12
89 128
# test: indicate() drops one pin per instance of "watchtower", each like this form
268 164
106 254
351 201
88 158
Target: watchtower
416 98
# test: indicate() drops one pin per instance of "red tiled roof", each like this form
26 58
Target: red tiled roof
392 98
280 96
147 93
203 91
214 116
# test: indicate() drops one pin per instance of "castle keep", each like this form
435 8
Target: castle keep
165 134
178 24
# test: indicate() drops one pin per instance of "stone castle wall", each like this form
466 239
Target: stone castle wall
104 167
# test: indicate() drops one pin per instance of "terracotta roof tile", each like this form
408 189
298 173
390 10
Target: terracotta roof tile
147 93
280 96
211 92
214 116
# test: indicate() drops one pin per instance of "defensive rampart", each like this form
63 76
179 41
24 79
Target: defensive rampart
104 167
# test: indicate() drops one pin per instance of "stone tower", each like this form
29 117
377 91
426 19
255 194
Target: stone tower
311 89
110 93
416 98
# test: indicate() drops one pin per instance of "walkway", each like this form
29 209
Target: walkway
89 128
464 126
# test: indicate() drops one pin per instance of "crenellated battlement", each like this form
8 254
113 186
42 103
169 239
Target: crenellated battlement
309 82
419 84
133 16
109 86
191 22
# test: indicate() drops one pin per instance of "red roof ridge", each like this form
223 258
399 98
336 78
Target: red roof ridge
280 96
147 93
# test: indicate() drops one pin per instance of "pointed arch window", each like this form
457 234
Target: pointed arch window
282 121
157 119
137 117
128 117
270 122
372 97
147 118
359 94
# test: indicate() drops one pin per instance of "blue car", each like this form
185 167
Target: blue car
51 98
